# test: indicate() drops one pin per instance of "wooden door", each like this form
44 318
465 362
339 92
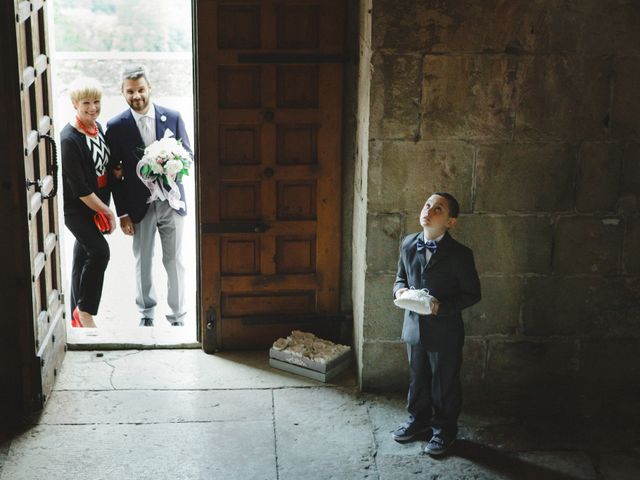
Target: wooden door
269 128
43 332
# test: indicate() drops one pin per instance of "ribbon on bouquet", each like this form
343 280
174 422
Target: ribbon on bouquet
160 191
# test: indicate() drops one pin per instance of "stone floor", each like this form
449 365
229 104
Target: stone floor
181 414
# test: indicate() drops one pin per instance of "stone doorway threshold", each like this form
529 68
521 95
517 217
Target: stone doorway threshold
163 336
118 330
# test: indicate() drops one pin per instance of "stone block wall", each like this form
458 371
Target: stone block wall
529 113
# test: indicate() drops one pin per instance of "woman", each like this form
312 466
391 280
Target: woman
85 156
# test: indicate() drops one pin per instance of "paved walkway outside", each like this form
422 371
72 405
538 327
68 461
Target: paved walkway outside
181 414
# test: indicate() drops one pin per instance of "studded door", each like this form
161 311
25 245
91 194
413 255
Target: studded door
41 187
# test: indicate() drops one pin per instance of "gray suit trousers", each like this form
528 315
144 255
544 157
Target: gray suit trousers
162 218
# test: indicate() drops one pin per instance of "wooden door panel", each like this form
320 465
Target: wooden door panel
239 87
239 145
267 303
239 200
269 149
296 200
238 26
240 255
297 144
295 254
298 27
297 86
267 283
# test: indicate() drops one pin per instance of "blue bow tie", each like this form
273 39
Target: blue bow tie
430 245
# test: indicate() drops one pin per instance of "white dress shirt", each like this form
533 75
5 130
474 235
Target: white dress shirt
427 252
148 131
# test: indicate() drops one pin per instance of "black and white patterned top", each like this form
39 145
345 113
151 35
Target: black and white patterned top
99 152
84 159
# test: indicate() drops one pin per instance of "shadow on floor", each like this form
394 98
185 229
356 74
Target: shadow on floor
260 361
503 463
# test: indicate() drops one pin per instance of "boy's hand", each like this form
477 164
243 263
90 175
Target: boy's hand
400 291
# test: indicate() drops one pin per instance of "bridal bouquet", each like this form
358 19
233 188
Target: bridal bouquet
163 164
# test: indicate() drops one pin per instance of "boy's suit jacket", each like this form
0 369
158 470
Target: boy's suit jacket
451 277
127 147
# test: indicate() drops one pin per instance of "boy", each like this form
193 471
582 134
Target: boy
433 260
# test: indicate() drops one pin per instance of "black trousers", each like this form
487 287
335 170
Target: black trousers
435 391
90 259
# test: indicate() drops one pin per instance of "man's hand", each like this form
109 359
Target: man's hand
127 226
435 306
117 171
400 291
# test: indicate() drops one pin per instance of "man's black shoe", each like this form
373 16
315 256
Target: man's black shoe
437 445
177 323
408 431
146 322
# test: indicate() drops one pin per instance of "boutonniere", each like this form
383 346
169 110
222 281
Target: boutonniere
163 118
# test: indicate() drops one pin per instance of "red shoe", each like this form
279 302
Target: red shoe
75 319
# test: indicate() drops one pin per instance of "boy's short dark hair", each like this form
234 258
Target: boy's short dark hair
454 206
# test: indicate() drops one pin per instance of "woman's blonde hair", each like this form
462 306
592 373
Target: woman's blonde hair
85 87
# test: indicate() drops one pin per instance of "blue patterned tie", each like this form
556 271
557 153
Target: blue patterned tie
430 245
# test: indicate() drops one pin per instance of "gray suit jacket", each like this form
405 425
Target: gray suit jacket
451 277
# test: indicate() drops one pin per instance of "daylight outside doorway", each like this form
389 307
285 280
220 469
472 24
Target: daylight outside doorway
96 38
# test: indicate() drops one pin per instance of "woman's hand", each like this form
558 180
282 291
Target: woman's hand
94 203
112 220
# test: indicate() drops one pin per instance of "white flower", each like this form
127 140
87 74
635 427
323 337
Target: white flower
153 151
172 167
163 160
181 152
167 143
157 166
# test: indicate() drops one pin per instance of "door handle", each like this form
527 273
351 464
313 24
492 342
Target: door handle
52 167
48 185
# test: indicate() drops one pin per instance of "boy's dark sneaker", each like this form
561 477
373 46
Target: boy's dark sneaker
408 431
437 445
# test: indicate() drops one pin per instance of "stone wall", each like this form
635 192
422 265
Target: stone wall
529 113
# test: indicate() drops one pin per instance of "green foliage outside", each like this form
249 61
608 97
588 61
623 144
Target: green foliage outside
122 25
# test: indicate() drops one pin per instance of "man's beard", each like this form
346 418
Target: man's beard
139 106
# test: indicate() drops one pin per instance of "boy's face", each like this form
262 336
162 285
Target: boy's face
434 216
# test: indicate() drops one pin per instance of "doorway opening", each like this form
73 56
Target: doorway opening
97 39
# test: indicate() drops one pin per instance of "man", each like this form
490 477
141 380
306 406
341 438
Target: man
128 134
433 260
